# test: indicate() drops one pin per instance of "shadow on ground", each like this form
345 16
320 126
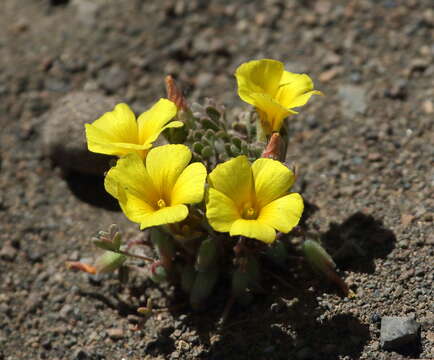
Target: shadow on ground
90 189
356 242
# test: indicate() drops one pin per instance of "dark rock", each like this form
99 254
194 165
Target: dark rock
80 354
64 135
398 331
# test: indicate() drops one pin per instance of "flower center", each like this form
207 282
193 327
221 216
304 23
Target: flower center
161 203
249 212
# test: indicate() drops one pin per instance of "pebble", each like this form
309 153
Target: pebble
64 135
353 99
113 78
398 331
80 354
8 251
115 333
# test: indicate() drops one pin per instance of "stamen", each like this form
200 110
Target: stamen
161 203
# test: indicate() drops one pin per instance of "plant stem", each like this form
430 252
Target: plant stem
141 257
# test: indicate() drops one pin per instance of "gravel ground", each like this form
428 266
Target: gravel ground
364 152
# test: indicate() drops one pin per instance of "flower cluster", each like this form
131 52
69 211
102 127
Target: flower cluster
213 204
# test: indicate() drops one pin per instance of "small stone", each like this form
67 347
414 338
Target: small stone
398 331
374 157
398 90
353 99
419 65
8 251
115 333
428 107
113 78
406 219
64 134
328 75
80 354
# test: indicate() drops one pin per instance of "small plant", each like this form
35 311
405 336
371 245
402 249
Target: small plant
214 197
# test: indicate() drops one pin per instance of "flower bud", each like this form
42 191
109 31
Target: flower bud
164 245
207 255
188 276
277 253
202 287
109 261
322 262
317 257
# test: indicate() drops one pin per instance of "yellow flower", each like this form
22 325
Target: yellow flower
155 193
273 91
252 201
118 133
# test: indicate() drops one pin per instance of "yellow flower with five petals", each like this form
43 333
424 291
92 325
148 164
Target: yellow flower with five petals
273 91
118 133
252 200
156 192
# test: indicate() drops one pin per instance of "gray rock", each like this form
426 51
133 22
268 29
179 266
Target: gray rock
398 331
8 251
64 135
87 10
113 78
353 99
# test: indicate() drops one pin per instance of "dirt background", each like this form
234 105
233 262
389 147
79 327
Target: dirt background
364 151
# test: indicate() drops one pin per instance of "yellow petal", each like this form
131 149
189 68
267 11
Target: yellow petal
131 175
233 178
190 186
221 211
284 213
151 122
274 112
272 180
253 229
258 76
135 208
120 124
165 164
303 99
291 87
98 141
167 215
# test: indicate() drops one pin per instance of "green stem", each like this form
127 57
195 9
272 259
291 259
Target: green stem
141 257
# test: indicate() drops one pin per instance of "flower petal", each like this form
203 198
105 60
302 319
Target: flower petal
303 99
151 122
234 179
284 213
272 180
130 174
275 113
165 164
291 87
98 141
135 208
258 76
221 211
253 229
167 215
119 125
190 186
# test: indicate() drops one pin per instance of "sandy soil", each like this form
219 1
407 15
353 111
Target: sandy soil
364 151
